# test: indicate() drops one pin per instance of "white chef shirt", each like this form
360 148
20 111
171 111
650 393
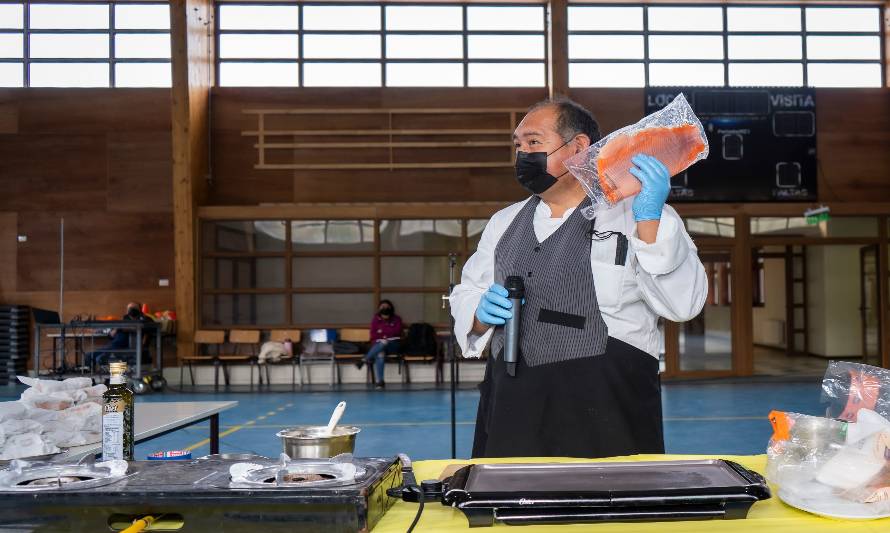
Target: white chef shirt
664 278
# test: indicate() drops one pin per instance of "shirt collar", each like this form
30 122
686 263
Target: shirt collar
543 211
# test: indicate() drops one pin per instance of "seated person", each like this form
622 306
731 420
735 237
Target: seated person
386 330
120 339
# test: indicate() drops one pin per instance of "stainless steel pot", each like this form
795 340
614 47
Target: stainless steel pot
311 442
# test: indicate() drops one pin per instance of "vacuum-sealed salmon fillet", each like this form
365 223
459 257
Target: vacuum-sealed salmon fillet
673 135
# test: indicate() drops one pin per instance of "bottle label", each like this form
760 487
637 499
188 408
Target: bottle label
113 430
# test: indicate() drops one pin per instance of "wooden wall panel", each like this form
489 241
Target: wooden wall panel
47 171
87 111
236 182
139 172
853 144
103 251
101 158
8 231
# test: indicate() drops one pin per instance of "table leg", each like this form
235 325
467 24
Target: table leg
159 357
139 352
214 434
36 351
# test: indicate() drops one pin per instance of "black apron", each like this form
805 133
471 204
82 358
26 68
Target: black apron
579 393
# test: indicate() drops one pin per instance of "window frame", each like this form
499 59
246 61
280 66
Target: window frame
290 253
112 61
383 32
725 33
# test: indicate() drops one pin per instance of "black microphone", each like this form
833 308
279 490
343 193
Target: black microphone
515 293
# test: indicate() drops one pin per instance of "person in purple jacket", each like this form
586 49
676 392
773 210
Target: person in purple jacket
386 332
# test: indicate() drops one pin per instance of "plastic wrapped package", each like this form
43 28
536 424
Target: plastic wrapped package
673 135
839 466
51 415
849 387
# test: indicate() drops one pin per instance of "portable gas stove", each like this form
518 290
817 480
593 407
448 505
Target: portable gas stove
220 493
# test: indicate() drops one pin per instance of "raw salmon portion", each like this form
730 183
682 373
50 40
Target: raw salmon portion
676 147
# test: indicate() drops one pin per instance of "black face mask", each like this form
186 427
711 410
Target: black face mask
531 170
386 312
133 312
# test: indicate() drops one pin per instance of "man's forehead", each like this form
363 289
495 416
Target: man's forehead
537 123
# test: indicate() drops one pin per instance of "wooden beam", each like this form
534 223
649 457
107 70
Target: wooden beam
191 34
557 48
742 299
883 293
885 23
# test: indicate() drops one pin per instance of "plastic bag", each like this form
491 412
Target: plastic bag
49 385
849 387
838 467
673 134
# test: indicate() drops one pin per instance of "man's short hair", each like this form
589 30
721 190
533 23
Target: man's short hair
572 118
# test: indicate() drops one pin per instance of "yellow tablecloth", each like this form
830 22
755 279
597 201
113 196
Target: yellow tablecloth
770 516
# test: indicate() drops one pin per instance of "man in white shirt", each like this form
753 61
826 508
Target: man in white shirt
586 382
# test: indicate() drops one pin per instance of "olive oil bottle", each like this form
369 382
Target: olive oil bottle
117 416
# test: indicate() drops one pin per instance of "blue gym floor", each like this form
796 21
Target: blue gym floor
717 417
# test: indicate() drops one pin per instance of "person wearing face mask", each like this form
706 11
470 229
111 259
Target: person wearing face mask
120 339
386 332
587 375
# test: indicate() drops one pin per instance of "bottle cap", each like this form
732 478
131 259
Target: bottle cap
117 368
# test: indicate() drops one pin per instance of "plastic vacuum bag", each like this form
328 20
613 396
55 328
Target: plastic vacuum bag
849 387
837 466
673 135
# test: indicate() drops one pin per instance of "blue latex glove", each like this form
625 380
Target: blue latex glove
656 180
494 307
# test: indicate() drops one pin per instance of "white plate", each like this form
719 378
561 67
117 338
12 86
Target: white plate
834 507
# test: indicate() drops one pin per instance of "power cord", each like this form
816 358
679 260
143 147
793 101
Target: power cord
410 491
419 512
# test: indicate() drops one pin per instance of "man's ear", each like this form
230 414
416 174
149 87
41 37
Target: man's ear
581 142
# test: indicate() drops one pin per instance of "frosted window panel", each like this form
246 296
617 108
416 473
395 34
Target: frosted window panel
142 17
847 47
505 18
506 75
685 47
605 46
342 74
424 46
259 74
69 75
765 47
605 18
270 46
11 45
766 74
606 75
341 46
69 16
844 75
11 75
685 74
685 18
12 16
341 17
424 75
69 45
505 47
424 18
763 18
142 45
259 17
843 19
354 309
142 75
